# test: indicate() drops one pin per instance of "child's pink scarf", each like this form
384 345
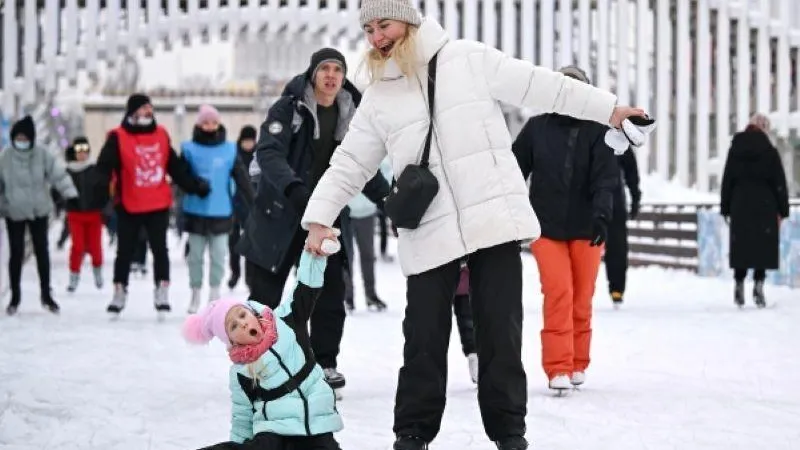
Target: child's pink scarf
246 354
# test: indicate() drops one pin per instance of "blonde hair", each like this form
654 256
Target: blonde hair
760 121
404 54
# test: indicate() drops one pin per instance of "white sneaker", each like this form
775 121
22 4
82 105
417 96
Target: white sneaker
578 378
560 382
213 294
194 303
472 362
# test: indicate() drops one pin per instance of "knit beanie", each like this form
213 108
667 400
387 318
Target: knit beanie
389 9
25 127
209 323
247 132
576 73
135 102
322 56
207 113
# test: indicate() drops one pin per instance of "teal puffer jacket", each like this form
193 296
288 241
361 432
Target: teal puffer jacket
306 410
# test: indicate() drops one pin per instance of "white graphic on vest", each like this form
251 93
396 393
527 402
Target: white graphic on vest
149 165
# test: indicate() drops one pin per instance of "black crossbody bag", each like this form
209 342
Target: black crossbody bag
415 188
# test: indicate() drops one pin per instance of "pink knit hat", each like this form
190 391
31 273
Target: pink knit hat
209 323
207 113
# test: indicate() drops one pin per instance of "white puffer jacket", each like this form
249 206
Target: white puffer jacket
482 199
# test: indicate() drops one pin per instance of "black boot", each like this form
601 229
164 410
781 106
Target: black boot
758 294
234 280
49 304
409 443
738 294
14 304
374 303
512 443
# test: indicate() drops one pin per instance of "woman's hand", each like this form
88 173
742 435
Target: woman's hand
316 234
621 113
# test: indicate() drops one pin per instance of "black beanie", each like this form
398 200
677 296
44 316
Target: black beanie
80 140
323 55
135 102
247 132
25 127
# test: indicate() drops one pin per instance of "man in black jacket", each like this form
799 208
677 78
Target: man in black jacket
573 178
296 142
616 257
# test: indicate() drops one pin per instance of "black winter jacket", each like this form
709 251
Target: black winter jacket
84 178
571 185
285 155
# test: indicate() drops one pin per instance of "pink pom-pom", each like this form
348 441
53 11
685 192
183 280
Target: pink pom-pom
193 330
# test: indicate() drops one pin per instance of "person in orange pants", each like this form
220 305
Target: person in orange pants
84 214
573 177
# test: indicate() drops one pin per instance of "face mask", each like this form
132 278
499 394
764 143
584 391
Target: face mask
22 145
141 121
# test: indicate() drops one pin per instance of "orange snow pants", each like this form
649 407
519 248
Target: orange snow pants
568 273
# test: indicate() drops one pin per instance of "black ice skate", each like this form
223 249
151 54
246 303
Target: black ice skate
349 306
758 294
375 304
14 304
409 443
738 294
512 443
49 304
234 280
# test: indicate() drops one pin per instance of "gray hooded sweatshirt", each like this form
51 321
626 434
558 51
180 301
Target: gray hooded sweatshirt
26 177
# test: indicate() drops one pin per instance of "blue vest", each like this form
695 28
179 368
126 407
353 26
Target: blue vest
215 165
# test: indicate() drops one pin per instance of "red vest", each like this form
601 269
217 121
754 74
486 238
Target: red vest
142 177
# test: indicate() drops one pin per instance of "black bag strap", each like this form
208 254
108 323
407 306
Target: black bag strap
426 152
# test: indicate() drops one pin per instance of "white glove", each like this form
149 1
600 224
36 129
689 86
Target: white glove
634 132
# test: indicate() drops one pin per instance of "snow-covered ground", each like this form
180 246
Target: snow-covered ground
677 368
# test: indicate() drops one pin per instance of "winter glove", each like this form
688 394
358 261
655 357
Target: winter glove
298 194
634 132
203 188
636 199
599 232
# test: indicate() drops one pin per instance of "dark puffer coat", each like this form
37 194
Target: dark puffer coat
753 196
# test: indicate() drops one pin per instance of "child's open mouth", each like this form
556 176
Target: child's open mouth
253 332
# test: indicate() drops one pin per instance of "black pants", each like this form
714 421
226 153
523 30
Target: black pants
466 327
140 250
758 274
233 256
128 229
64 233
327 320
16 244
616 256
496 285
269 441
383 226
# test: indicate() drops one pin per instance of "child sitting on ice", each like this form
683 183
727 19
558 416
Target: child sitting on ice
280 397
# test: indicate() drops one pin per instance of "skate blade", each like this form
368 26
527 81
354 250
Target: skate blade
376 308
337 393
161 316
113 316
560 392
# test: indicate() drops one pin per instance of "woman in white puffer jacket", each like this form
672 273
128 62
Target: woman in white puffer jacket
480 213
